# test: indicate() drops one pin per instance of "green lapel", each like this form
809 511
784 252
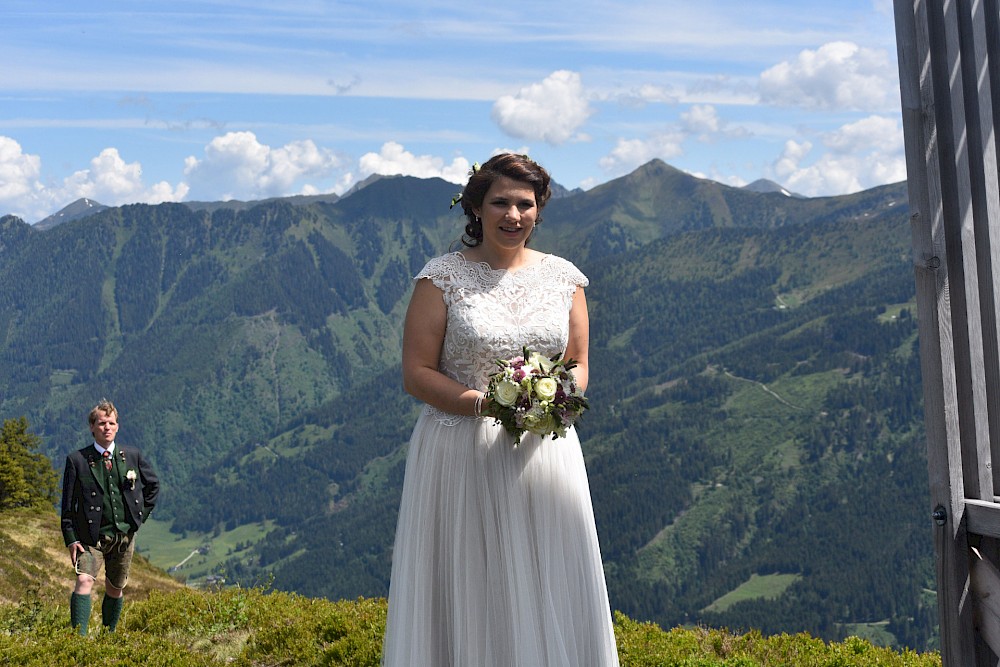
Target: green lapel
96 464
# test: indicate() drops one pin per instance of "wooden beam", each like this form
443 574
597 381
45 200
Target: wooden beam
948 49
985 586
979 69
983 517
928 171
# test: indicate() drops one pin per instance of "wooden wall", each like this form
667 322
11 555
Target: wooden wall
949 65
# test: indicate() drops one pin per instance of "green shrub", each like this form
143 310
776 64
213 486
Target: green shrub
253 627
646 645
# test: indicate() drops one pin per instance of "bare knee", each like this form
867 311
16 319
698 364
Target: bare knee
84 584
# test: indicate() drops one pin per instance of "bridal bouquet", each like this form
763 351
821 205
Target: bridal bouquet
533 393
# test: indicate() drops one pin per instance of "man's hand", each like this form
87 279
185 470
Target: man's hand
75 550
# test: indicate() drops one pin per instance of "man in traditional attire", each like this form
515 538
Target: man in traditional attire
108 492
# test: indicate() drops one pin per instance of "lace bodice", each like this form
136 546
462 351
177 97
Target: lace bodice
493 313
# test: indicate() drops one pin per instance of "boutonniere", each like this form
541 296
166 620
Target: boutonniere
130 476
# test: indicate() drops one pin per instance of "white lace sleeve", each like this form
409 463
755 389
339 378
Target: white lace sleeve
569 272
438 268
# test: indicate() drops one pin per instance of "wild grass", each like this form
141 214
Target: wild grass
256 627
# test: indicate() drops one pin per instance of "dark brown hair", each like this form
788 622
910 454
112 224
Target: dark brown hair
515 167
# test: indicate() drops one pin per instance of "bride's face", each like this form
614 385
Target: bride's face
508 214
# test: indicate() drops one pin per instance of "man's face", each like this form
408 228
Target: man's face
105 428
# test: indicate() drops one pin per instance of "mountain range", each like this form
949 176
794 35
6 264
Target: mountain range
755 445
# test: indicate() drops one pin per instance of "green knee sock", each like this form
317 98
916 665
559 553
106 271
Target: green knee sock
79 612
111 609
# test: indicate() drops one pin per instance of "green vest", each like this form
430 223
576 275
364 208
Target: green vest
113 513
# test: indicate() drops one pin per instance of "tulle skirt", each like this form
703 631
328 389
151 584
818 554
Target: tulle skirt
496 560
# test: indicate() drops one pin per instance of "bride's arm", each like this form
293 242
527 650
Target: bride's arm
579 338
423 336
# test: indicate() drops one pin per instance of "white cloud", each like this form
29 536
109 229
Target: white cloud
874 133
109 180
631 153
394 159
723 89
296 160
552 111
237 166
788 163
164 192
860 155
701 119
838 75
112 181
644 94
19 173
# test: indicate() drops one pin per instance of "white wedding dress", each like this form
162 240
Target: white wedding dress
496 560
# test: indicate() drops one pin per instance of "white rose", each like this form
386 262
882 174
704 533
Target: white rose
506 393
541 362
545 388
542 424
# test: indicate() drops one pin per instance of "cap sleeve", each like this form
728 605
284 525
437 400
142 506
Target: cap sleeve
439 270
573 275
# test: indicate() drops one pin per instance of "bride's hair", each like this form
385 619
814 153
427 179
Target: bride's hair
515 167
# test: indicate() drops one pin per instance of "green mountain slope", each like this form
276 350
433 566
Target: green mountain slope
756 412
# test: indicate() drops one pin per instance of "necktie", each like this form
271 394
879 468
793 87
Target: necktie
107 460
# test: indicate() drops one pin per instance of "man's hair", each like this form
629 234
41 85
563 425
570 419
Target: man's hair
104 406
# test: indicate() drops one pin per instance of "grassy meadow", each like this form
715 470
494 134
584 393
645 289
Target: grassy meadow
167 624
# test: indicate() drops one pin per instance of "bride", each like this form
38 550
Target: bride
496 560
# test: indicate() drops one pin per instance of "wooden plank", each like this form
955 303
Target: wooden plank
930 259
991 21
984 582
947 63
985 200
983 517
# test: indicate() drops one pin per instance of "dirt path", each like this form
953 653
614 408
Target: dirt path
766 389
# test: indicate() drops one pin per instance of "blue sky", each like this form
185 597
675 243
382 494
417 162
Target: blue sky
243 99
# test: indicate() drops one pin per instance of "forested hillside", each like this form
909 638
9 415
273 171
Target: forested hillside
755 445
